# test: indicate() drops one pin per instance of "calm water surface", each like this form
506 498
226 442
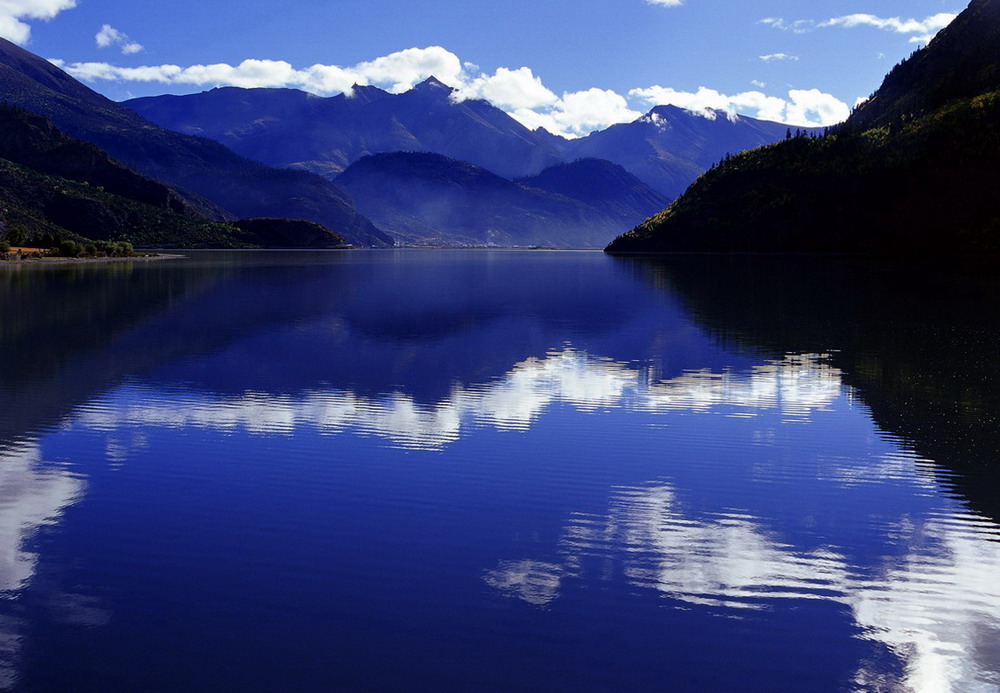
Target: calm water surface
502 471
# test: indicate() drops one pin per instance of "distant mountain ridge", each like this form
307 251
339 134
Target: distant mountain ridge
429 199
287 127
667 148
913 170
242 187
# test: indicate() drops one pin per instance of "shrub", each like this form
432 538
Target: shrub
4 246
68 248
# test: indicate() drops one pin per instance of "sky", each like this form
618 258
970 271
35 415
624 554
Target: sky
571 66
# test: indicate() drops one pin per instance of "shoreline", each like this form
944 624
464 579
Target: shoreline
86 260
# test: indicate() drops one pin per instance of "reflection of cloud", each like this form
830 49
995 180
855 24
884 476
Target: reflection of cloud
534 582
30 498
937 606
794 386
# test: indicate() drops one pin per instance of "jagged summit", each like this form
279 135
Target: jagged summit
432 82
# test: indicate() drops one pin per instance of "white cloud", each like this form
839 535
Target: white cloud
578 113
808 108
666 3
15 13
930 25
799 27
770 57
109 36
925 29
510 89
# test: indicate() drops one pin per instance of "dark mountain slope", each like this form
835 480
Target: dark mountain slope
919 182
961 62
34 142
431 199
285 127
54 187
243 187
38 210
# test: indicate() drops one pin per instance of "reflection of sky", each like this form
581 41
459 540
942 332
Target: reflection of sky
794 386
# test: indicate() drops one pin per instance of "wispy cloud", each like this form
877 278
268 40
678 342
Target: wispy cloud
14 16
771 57
666 3
924 29
109 36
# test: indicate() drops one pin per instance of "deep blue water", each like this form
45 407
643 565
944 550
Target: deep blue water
451 470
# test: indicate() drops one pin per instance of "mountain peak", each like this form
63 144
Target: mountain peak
432 82
365 92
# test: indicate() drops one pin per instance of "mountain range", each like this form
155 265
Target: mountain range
426 166
667 148
913 170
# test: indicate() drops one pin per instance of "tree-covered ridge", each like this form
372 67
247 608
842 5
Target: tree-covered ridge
40 210
961 62
912 171
55 189
916 185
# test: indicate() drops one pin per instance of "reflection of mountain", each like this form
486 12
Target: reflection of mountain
917 342
932 604
417 324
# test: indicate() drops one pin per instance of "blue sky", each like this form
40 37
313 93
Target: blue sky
569 65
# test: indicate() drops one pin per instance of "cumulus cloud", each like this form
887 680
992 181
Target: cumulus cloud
109 36
578 113
807 108
510 89
14 16
924 29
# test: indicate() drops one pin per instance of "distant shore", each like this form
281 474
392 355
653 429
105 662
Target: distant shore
44 260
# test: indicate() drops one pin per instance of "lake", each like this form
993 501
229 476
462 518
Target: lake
499 471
